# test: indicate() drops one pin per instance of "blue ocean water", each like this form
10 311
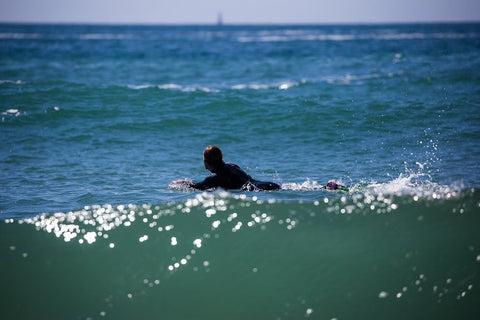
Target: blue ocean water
96 121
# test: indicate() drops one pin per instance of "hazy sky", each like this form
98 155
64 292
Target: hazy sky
238 11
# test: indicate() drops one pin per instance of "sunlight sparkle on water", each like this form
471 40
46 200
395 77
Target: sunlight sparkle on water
197 243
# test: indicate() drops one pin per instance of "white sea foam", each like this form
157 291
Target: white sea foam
194 88
250 86
265 86
413 36
308 185
11 112
173 86
297 37
287 36
170 86
12 82
140 86
349 78
413 184
59 36
104 36
14 35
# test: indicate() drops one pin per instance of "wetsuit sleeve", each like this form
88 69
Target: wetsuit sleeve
209 182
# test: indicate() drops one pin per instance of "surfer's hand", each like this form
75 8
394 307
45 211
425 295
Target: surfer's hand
179 181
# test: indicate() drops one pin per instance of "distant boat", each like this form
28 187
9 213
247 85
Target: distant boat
219 19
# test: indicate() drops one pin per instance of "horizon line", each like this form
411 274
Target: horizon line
227 24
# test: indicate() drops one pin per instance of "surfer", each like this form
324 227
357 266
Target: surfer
226 175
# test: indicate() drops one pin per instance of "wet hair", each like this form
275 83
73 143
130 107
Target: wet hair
213 155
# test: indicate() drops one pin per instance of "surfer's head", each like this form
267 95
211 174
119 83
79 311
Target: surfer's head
212 158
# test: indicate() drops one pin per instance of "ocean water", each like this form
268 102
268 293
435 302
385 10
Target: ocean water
96 121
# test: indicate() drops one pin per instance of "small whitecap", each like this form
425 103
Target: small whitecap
139 87
10 81
12 112
239 87
170 86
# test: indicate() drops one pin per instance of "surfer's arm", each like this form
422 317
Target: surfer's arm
209 183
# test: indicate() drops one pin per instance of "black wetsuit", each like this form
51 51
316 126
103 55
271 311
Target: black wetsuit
230 176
